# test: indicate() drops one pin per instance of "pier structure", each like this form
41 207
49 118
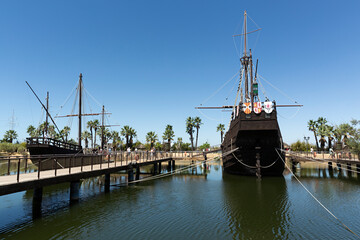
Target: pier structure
344 160
35 172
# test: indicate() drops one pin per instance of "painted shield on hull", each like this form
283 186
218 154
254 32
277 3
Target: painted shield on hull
257 107
247 107
268 107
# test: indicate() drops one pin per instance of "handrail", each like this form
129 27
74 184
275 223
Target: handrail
51 142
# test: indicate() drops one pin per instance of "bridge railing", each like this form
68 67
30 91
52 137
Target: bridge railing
336 155
18 165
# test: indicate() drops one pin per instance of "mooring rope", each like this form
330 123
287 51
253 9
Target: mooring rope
346 227
252 166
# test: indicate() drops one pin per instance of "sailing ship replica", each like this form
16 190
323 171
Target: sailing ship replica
253 137
41 148
45 145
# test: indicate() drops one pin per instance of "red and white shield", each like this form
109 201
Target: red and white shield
268 107
257 107
247 107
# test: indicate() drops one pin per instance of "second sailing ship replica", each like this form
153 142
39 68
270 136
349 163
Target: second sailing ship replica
251 142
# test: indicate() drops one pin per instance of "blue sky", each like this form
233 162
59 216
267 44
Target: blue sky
151 62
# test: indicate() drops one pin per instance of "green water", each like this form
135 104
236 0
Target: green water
191 205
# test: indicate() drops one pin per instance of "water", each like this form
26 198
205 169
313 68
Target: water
191 206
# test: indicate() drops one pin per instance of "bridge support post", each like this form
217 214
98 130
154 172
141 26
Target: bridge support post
349 169
107 182
137 176
339 166
169 166
173 165
130 173
358 169
159 167
155 168
293 165
36 204
74 191
330 166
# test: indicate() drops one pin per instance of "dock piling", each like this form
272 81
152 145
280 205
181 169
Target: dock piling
107 182
74 191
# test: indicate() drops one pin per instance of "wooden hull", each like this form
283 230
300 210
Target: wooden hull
44 150
253 135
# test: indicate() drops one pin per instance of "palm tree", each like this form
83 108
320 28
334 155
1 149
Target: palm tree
115 137
132 134
169 135
329 132
86 135
151 137
96 125
221 128
179 142
125 131
190 130
90 125
65 132
31 130
10 136
197 123
312 126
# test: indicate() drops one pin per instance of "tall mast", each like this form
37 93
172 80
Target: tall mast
47 114
245 32
102 126
245 61
80 98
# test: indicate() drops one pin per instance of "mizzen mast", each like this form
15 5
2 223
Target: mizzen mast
80 102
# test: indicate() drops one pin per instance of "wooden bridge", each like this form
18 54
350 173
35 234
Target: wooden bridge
339 158
20 173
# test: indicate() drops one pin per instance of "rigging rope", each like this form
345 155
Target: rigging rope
219 89
346 227
277 89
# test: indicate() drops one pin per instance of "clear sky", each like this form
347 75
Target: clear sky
151 62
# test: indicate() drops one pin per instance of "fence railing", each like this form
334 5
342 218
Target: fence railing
18 165
52 142
335 155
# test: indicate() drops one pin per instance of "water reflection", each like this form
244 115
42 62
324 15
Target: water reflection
256 209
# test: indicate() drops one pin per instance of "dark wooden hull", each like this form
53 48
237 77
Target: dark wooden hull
253 134
47 147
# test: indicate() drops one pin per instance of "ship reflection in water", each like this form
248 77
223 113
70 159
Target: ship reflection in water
257 209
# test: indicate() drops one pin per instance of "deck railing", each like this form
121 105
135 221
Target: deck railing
52 142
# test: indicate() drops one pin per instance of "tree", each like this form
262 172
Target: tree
221 128
132 134
90 125
86 135
10 136
329 133
312 126
31 130
65 132
205 146
190 130
197 123
321 130
169 135
354 142
96 125
125 131
179 141
151 137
